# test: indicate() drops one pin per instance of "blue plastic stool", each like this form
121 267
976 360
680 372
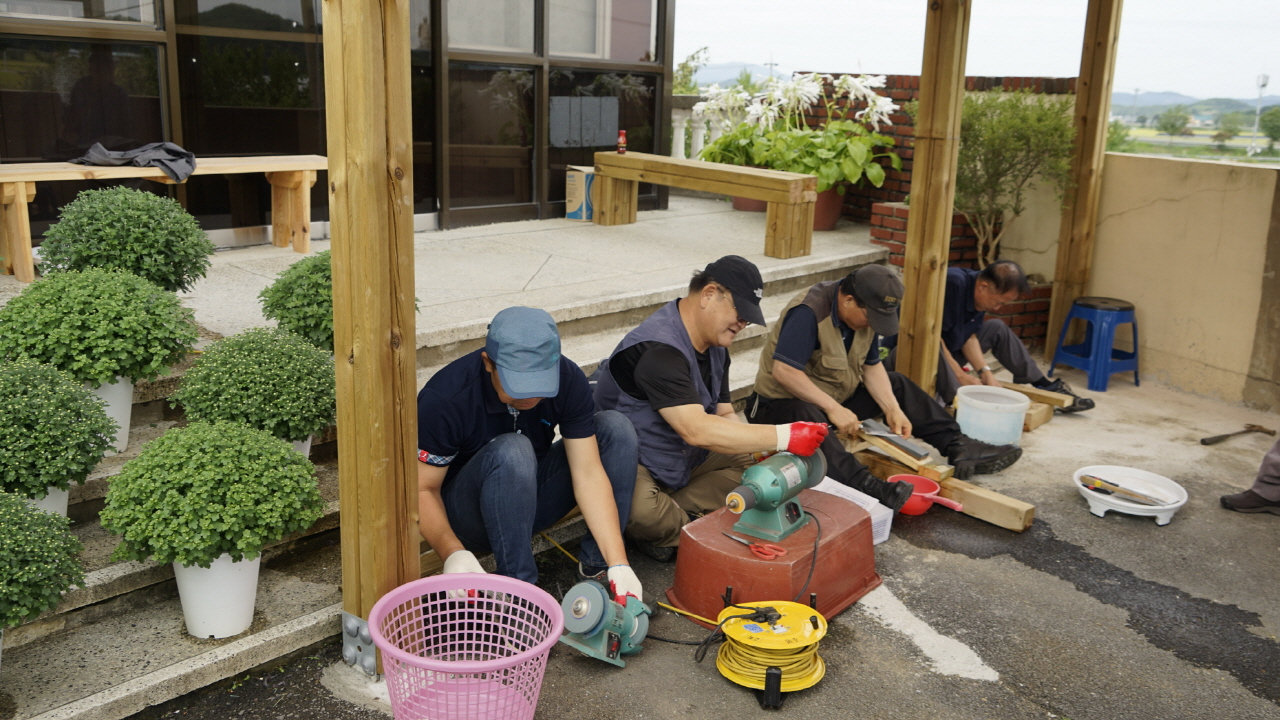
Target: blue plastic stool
1097 355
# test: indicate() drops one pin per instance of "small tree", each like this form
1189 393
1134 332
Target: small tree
1009 143
747 83
1173 121
1269 124
1142 120
683 81
1229 125
1118 137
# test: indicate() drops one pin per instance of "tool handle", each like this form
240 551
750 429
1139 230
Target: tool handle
948 503
1219 438
1091 481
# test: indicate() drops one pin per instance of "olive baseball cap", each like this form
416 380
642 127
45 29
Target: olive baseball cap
524 344
742 279
880 291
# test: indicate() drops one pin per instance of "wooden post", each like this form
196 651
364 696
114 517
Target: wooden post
366 59
946 39
1080 207
15 230
291 208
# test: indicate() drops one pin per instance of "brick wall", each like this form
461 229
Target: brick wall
1029 316
889 228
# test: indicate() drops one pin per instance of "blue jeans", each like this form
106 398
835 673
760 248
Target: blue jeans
504 495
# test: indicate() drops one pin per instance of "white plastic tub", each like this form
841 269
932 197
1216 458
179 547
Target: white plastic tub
991 414
1147 483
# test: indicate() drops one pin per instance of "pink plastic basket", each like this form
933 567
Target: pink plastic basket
478 654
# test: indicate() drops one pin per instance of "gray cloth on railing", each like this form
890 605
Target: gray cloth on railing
177 163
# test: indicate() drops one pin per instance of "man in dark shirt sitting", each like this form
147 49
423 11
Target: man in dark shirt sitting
490 473
821 363
692 446
967 333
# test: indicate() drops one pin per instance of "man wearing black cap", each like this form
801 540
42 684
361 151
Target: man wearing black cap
670 377
490 471
821 363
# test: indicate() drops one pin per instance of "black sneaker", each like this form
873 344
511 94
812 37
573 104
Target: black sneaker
655 552
1249 502
1079 404
972 457
896 494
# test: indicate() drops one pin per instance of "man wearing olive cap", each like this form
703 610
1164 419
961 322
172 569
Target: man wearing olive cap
490 472
821 363
670 377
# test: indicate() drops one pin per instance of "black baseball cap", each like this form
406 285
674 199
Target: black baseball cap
880 291
741 278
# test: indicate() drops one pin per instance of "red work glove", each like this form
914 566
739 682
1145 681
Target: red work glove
801 438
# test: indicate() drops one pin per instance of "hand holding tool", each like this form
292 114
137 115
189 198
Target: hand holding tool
764 552
1248 428
801 438
462 561
624 582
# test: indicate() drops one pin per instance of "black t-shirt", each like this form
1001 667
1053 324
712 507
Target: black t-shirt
658 374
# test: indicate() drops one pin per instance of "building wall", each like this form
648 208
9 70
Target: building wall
1187 242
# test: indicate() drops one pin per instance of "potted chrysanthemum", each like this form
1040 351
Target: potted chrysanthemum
301 300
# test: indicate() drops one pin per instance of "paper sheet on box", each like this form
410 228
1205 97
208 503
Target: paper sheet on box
881 516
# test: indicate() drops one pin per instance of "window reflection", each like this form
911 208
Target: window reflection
491 134
130 11
609 29
300 16
588 108
503 25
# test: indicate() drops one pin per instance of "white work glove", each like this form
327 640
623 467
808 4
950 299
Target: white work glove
462 561
625 581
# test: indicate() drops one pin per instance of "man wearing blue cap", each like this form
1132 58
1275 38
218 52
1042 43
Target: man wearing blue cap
490 473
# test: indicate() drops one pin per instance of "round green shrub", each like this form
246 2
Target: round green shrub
266 378
143 233
97 325
37 560
52 430
301 300
209 489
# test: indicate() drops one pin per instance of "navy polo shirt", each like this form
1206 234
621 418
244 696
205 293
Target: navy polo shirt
459 412
960 318
798 338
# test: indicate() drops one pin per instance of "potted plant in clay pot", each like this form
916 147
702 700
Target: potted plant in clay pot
38 561
107 328
776 133
53 432
301 300
266 378
208 498
150 236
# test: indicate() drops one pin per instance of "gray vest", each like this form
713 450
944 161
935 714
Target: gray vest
663 452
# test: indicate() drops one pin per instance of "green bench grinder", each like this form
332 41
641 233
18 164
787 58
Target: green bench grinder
601 625
765 501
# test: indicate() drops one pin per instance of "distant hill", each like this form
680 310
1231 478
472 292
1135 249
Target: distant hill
1123 104
724 74
1127 100
243 17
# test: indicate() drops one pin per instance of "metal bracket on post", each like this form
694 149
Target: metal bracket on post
357 644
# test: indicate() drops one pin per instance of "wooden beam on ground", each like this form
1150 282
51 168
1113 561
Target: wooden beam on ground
371 223
1080 206
1038 414
883 466
1038 395
989 505
937 143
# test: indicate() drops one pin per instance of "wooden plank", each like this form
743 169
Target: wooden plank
371 223
989 505
1080 206
701 169
937 143
615 201
9 190
15 224
882 465
721 186
40 172
1038 414
1038 395
788 229
291 209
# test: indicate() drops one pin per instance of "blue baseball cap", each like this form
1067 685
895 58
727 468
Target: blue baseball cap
524 344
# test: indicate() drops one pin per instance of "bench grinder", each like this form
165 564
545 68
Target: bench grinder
602 625
765 501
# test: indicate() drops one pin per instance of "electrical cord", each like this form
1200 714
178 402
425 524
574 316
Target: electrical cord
813 561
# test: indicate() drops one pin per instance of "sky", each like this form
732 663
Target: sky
1197 48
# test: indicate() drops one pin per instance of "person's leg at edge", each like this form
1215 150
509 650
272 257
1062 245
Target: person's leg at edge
1000 339
491 504
1264 495
655 519
945 383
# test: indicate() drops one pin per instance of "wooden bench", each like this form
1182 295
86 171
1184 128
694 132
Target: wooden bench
291 178
791 196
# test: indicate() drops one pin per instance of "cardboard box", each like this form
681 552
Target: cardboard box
579 192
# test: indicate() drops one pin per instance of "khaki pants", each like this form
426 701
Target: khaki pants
658 513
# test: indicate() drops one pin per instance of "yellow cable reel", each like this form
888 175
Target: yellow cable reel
791 644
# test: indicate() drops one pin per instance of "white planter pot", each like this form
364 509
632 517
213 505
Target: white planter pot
118 396
217 601
304 446
55 502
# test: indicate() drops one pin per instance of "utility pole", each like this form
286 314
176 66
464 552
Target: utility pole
771 65
1135 105
1254 147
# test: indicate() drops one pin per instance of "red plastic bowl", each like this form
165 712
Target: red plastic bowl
918 504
